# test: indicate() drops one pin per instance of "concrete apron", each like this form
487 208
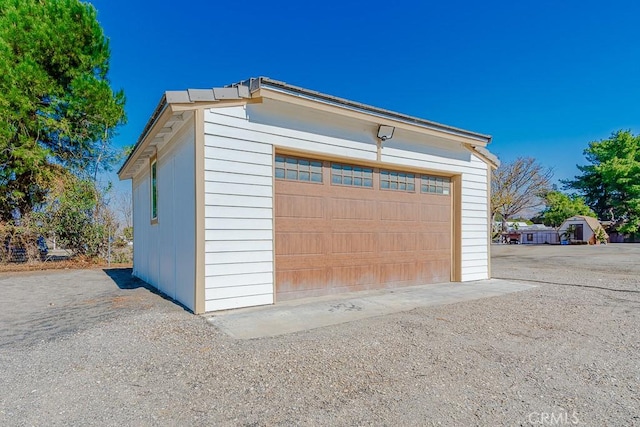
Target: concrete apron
310 313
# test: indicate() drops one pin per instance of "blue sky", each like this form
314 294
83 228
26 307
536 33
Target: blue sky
543 78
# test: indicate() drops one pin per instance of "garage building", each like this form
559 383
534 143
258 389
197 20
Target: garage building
262 191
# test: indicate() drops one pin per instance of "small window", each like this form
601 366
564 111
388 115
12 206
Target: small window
435 185
355 176
154 190
401 181
296 169
529 237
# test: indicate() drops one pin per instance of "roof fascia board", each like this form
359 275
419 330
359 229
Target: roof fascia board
345 111
157 113
213 104
150 132
481 156
160 117
268 90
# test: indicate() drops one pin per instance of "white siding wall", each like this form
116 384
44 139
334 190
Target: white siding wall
164 253
475 221
239 194
141 235
238 214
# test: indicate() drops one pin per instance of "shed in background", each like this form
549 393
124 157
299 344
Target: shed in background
586 228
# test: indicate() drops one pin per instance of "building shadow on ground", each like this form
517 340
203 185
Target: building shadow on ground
124 279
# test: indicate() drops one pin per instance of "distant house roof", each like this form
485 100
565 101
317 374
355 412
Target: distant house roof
538 227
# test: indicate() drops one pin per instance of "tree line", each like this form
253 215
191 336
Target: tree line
607 187
59 115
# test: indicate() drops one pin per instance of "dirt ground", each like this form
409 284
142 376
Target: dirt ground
96 347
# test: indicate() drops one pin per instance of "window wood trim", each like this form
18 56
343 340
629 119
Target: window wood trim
153 161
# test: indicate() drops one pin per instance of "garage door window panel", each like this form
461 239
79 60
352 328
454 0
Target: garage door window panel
353 176
401 181
298 169
435 185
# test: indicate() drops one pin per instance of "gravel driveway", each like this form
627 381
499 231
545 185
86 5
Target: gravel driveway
97 348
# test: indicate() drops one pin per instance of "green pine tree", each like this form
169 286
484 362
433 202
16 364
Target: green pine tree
57 107
610 183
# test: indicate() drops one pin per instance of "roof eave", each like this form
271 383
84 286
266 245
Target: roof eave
162 105
182 101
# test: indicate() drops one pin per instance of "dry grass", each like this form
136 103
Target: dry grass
78 262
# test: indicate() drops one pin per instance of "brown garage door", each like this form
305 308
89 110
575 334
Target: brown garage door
342 228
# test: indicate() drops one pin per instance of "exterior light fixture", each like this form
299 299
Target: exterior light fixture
385 132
